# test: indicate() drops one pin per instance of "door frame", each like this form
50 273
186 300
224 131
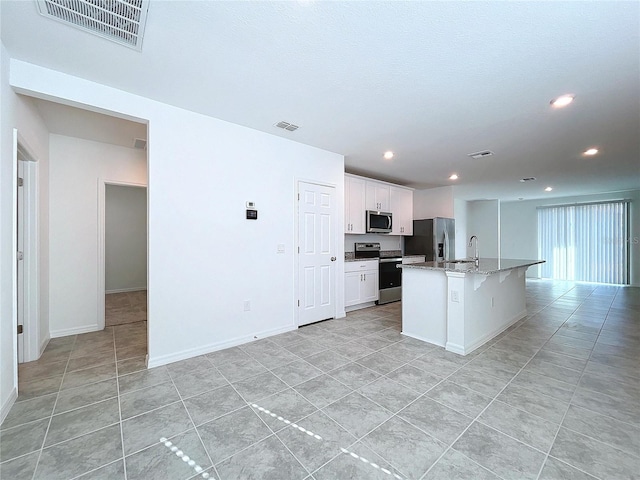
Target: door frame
296 248
28 348
102 200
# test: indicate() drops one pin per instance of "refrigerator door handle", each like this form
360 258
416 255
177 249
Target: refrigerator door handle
445 253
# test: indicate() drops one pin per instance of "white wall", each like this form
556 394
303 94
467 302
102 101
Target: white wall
76 168
18 112
205 258
483 220
460 215
433 202
125 245
8 355
519 227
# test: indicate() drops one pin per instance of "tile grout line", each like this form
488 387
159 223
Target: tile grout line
52 410
450 446
569 407
115 353
195 428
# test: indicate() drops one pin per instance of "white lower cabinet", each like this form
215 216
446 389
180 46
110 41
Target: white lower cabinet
361 282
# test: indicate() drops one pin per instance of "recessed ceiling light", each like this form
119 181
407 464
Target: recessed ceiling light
591 151
548 189
388 155
453 177
562 101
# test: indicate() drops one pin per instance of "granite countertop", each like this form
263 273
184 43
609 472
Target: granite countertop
487 266
348 256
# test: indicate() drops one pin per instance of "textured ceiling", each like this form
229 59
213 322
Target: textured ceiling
432 81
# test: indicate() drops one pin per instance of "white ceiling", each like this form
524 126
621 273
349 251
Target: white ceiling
74 122
432 81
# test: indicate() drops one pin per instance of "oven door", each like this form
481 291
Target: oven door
390 280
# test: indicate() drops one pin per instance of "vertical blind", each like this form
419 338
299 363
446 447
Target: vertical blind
586 242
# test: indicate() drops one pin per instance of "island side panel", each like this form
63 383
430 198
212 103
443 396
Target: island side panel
424 305
492 303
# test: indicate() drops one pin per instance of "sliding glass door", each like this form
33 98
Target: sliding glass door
585 242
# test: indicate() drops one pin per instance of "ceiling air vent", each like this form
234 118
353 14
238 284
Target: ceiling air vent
139 143
121 21
483 154
527 179
287 126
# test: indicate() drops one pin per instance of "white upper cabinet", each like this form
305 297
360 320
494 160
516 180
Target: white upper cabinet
361 194
401 203
377 197
354 204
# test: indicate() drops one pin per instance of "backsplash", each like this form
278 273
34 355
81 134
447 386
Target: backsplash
387 242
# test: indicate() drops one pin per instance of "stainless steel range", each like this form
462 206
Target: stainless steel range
389 276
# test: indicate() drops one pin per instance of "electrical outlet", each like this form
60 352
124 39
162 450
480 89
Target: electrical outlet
455 296
247 305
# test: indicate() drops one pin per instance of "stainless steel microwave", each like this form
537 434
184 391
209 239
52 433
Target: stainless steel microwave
378 222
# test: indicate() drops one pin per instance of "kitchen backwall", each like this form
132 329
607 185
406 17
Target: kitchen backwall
387 242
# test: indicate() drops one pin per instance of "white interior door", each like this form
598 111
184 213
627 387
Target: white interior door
316 258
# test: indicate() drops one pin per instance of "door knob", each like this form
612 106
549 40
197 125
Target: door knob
333 259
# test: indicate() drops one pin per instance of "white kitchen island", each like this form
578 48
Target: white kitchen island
461 306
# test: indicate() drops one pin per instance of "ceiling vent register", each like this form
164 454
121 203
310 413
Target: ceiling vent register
483 154
287 126
121 21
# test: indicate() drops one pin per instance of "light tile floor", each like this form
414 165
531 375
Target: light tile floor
126 307
555 397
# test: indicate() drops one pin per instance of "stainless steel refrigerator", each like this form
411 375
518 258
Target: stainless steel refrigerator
433 237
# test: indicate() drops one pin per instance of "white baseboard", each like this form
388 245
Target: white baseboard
65 332
213 347
423 339
4 410
359 306
462 350
44 344
125 290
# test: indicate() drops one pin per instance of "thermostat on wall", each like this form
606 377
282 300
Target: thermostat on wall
252 214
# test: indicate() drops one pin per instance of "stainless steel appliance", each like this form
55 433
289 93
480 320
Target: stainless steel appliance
389 276
433 237
378 222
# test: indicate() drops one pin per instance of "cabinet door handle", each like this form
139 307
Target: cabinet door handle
360 277
365 277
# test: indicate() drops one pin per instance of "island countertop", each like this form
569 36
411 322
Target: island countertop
487 266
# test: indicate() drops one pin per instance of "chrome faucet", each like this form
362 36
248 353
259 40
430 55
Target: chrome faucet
476 258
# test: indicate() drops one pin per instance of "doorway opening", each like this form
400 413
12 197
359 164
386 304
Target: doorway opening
125 256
